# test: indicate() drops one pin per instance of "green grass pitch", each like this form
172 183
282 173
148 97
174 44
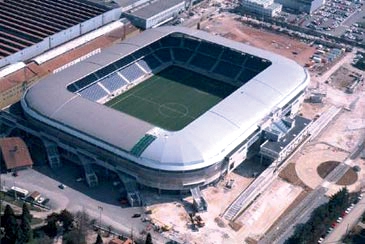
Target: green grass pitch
172 98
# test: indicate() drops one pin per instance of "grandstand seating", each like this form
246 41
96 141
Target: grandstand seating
141 52
124 61
210 49
190 43
203 61
144 65
234 57
105 71
171 41
132 72
227 69
256 63
151 61
238 66
113 82
94 92
246 75
87 80
182 54
164 54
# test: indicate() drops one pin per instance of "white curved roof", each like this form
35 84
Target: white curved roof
203 142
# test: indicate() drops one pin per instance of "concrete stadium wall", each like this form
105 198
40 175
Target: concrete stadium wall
62 37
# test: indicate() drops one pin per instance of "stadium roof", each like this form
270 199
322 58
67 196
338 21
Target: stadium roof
203 142
26 22
154 7
15 153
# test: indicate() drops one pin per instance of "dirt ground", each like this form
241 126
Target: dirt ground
273 202
229 27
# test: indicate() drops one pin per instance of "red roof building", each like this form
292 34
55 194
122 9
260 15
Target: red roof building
15 153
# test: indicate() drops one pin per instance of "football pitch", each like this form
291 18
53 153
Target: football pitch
172 98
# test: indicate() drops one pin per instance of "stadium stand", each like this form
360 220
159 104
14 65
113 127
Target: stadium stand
93 92
164 55
203 61
234 56
171 42
190 43
256 63
124 61
229 63
151 61
113 82
105 71
182 55
132 72
227 69
246 75
141 53
210 49
144 66
87 80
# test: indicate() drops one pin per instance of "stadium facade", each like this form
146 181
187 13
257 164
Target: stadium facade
68 107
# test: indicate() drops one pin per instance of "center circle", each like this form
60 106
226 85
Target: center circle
173 110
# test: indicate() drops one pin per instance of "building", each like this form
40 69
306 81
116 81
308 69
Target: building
127 5
68 111
302 6
15 154
32 27
262 7
155 13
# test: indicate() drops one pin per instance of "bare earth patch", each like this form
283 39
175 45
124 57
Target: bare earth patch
289 174
326 167
349 178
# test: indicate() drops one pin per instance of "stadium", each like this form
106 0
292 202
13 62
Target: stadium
173 108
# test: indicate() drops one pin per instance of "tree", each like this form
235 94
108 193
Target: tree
74 237
99 240
149 238
67 219
25 225
51 228
26 213
10 225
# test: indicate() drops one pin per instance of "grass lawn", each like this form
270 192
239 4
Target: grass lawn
172 98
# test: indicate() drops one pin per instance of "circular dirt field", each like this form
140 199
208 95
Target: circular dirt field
326 167
349 178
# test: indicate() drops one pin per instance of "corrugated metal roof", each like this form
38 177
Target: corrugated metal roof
203 142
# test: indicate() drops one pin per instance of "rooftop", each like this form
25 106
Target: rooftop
15 153
154 7
25 23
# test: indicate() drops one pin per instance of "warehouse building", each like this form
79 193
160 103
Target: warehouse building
155 13
305 6
262 7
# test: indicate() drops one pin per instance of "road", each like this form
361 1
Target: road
347 223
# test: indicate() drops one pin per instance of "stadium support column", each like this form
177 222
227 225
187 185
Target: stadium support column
52 153
90 176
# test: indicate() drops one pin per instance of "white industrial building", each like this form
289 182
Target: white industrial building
262 7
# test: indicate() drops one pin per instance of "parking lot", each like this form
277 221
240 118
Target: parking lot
339 18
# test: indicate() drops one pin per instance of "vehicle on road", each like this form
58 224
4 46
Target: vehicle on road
136 215
62 186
